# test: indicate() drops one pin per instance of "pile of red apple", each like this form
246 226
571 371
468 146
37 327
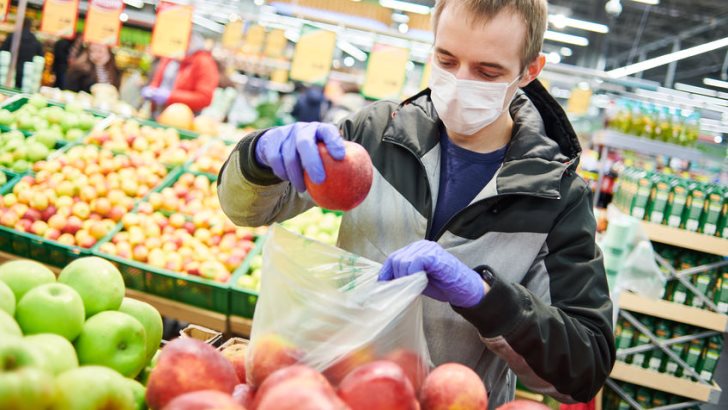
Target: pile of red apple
192 375
213 157
161 143
75 342
202 245
78 197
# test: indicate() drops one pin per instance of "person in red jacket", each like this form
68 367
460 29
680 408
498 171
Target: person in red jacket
191 81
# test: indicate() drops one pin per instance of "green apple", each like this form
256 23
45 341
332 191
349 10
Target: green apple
20 166
97 280
26 389
8 325
138 391
15 354
150 318
37 152
38 101
23 275
57 350
7 297
69 121
49 138
92 388
113 339
86 121
14 135
51 308
74 134
54 114
74 107
6 118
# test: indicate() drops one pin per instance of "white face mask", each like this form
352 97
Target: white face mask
466 106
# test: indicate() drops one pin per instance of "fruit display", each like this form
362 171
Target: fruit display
191 194
212 157
59 351
78 197
191 374
69 123
163 144
654 122
101 101
19 153
202 245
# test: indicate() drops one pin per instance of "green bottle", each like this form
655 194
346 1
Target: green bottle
714 203
642 196
722 230
695 206
676 201
659 196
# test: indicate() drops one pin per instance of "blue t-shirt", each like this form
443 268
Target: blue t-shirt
463 174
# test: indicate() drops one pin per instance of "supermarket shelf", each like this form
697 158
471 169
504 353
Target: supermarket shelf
686 239
660 381
240 325
180 311
614 139
673 311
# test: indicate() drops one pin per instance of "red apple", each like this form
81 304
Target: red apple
453 384
244 395
73 225
300 394
281 376
347 181
203 400
523 405
380 385
32 215
186 365
337 371
270 353
48 212
412 364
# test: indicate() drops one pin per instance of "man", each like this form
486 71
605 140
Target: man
29 48
471 172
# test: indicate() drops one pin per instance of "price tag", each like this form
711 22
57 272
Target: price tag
103 24
233 35
314 53
4 7
275 43
59 18
171 34
386 72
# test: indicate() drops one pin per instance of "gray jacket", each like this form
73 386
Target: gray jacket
547 318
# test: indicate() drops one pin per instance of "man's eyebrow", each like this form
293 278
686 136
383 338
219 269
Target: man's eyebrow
482 64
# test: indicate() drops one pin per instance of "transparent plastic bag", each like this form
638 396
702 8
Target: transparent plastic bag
641 274
328 307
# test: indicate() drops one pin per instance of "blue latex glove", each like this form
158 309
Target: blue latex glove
449 280
291 149
148 92
160 96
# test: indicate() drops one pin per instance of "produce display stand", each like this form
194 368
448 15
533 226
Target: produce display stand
707 318
610 139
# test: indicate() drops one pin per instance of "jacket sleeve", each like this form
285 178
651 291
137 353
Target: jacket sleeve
566 348
207 78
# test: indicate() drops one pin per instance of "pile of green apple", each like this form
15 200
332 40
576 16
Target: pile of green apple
164 144
213 157
67 124
202 245
73 343
314 223
78 197
19 153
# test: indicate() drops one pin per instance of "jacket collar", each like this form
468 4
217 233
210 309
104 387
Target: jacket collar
543 146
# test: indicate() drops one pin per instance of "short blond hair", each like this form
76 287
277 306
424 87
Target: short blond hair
533 12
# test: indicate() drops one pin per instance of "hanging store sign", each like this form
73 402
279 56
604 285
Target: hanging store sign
386 72
59 18
103 22
314 53
171 34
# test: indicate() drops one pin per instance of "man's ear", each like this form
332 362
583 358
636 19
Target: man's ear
533 70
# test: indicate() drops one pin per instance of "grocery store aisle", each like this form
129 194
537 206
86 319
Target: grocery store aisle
721 377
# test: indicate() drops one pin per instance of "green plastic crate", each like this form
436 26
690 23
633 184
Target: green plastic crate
243 301
183 288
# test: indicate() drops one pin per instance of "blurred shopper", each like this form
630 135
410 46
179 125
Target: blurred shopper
475 185
95 64
311 104
191 81
29 48
346 102
65 51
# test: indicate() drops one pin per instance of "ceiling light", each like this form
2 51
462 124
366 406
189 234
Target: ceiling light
123 17
715 83
135 3
566 52
258 2
349 62
403 28
668 58
566 38
405 6
560 21
650 2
